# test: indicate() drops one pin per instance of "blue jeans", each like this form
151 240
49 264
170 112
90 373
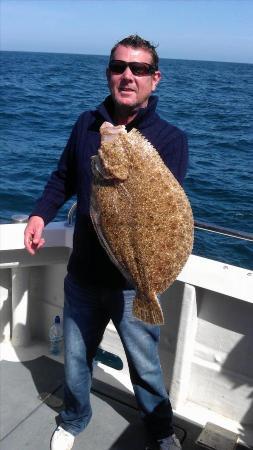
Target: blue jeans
87 311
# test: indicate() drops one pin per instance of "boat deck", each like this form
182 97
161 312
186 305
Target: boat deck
32 396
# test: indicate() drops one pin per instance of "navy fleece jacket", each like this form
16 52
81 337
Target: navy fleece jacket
89 263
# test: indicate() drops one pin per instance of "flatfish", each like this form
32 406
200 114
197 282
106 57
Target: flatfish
141 215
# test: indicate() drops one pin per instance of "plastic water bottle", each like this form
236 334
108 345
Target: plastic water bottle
56 337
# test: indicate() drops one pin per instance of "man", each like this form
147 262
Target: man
95 291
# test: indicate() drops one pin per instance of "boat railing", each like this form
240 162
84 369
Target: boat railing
70 216
229 232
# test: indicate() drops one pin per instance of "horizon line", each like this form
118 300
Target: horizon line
107 55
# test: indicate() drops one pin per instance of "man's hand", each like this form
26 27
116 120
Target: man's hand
33 232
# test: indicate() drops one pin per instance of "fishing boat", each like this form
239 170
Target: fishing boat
206 352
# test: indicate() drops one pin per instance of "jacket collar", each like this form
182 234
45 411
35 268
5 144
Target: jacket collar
143 118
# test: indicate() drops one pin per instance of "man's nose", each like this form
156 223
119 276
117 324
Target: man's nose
127 73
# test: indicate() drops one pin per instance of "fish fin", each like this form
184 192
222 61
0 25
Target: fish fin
148 309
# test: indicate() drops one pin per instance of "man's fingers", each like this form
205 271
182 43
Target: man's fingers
37 235
28 245
28 238
33 246
41 243
32 236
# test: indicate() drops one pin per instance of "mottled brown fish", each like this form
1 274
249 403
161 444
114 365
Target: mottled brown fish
141 215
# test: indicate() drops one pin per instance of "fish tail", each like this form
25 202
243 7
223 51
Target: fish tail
148 309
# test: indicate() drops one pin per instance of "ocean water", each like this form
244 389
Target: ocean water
42 95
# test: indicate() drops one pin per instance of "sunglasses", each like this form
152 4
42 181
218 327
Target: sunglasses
137 68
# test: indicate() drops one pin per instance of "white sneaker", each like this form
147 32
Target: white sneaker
62 440
170 443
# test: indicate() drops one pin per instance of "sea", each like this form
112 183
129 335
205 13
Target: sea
42 95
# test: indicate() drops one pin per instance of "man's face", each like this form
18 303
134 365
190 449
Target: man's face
129 90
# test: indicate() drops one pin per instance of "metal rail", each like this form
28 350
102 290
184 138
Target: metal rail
223 231
70 216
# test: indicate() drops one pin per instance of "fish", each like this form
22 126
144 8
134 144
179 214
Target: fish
141 215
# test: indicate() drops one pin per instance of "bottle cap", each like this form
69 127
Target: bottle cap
57 319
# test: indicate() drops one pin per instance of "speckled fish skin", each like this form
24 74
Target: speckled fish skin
142 216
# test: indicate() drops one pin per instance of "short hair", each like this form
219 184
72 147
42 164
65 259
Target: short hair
136 41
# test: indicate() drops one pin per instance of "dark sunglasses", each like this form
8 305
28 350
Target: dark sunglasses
137 68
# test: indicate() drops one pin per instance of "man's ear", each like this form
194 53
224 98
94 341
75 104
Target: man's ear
156 79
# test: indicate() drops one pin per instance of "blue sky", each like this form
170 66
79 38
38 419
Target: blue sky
219 30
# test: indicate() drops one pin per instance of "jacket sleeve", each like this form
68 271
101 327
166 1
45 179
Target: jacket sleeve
183 158
175 155
61 184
